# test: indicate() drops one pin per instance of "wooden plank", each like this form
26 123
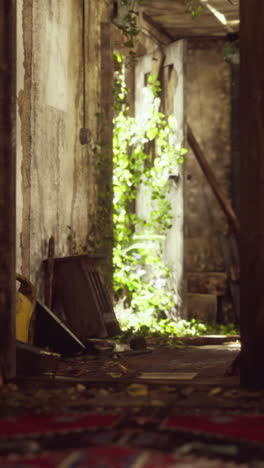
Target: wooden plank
252 193
221 197
7 187
74 294
174 19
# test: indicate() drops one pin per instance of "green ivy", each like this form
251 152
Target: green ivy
194 7
129 22
138 244
168 333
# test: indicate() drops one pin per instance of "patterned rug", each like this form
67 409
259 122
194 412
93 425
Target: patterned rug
122 441
115 457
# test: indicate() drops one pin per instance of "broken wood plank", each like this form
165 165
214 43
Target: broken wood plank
172 376
50 332
221 197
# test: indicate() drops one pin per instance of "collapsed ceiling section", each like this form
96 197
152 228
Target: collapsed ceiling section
217 17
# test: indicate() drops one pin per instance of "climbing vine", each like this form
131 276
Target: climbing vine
145 150
128 23
194 7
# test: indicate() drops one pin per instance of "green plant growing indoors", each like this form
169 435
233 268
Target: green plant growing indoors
140 276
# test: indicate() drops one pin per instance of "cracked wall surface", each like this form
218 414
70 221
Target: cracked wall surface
208 108
57 177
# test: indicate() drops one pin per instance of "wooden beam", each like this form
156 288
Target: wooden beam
252 193
7 187
157 30
221 197
217 14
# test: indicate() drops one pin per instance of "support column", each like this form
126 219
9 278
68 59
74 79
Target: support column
252 193
7 186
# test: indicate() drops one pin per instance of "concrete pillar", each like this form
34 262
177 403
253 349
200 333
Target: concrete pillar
7 186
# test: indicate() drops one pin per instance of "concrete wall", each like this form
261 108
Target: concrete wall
208 110
57 177
171 59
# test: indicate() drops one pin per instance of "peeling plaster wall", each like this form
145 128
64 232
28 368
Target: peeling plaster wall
172 101
208 109
56 175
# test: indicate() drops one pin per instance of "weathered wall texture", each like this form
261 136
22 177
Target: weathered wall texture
172 99
57 177
208 110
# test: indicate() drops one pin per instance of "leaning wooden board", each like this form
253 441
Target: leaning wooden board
81 298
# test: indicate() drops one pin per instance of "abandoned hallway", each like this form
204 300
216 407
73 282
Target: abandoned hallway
73 390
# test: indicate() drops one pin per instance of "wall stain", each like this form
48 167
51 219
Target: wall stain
24 109
78 102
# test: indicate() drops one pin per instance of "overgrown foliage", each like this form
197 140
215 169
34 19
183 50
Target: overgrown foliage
140 275
166 332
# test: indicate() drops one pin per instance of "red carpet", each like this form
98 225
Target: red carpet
114 457
250 428
111 441
44 424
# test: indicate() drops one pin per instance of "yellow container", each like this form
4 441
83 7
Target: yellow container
25 306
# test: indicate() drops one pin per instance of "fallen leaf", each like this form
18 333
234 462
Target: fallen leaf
157 403
109 364
80 388
103 392
187 391
215 391
135 390
115 375
115 364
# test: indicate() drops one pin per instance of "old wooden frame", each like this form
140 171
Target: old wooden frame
7 187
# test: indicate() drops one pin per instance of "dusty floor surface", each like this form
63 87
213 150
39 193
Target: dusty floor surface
111 383
190 379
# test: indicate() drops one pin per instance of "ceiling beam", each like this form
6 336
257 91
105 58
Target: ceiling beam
157 30
218 15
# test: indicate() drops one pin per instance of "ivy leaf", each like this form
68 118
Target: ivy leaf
152 78
129 43
152 133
